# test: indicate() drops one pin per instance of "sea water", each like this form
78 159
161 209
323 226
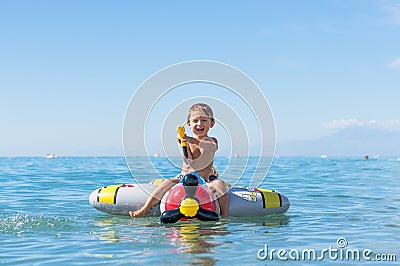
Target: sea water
342 210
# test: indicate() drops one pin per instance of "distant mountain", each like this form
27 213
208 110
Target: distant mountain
354 141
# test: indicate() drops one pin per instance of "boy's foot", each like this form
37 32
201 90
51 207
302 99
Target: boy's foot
138 213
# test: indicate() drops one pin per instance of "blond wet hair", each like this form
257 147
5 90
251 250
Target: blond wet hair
201 108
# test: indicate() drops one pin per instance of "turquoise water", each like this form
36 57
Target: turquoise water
45 217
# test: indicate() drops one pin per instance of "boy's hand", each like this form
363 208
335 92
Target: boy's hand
178 138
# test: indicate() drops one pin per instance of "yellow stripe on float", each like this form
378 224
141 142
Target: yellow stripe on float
271 198
157 182
108 194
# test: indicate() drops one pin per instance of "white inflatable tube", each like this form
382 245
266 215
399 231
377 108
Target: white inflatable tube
243 201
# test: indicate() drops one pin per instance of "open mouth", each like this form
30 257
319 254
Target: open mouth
200 130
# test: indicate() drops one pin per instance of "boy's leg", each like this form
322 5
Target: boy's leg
155 197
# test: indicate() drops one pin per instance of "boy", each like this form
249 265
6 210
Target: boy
201 151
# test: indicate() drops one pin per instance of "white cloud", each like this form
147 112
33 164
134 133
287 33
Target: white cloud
393 124
394 63
342 123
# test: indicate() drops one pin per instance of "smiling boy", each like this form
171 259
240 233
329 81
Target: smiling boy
201 152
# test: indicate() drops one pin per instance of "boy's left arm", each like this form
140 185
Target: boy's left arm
208 144
207 148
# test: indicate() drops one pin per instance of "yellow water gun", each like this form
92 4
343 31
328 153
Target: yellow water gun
181 132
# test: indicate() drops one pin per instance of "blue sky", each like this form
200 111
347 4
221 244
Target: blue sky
69 68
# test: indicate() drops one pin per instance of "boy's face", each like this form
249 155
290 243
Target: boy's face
200 123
